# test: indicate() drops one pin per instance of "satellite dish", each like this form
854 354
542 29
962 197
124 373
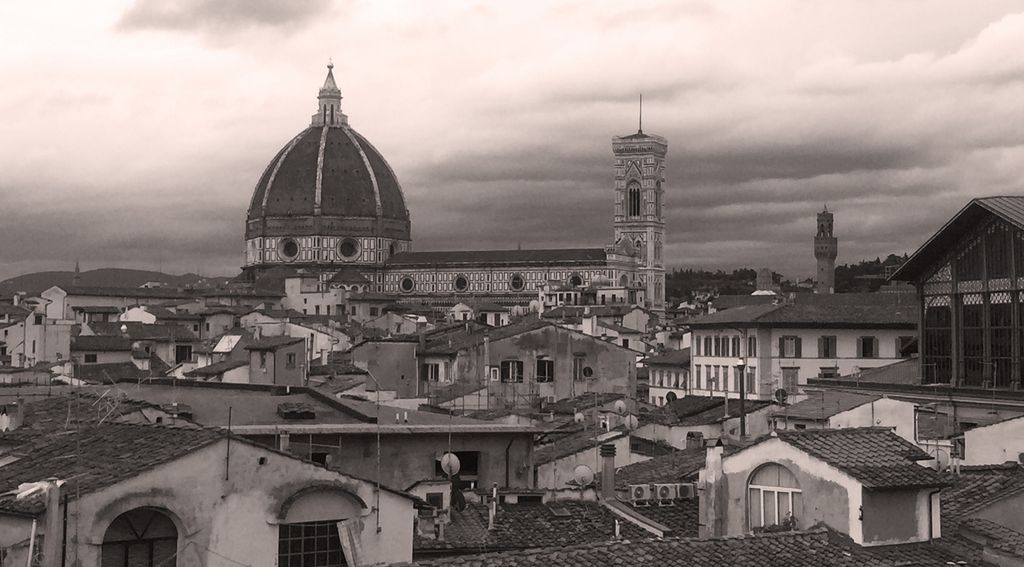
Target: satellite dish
781 395
450 464
579 417
671 397
631 422
588 372
620 407
583 475
124 328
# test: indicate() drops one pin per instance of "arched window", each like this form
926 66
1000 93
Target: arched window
774 498
143 536
633 192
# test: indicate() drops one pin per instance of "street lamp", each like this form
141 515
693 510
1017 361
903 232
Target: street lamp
741 367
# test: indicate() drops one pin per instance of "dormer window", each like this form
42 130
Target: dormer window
774 499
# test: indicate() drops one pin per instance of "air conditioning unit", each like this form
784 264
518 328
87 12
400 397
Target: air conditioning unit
687 491
666 494
640 494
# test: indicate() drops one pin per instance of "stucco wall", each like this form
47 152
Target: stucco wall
1006 512
555 474
393 364
614 367
994 444
238 517
885 412
829 495
891 516
407 459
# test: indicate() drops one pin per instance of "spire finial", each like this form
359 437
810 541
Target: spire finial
640 122
330 63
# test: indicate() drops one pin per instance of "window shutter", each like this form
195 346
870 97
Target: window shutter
782 347
860 347
821 347
874 347
798 353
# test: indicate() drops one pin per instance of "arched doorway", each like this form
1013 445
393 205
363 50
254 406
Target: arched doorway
143 537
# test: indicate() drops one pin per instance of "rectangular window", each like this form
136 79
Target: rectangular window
374 311
696 377
718 346
578 364
751 346
512 371
828 372
867 347
789 347
39 319
182 353
903 344
316 309
263 359
90 358
310 543
707 346
431 372
290 360
696 345
545 370
736 346
469 465
751 380
827 346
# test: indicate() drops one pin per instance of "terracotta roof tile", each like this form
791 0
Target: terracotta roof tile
976 487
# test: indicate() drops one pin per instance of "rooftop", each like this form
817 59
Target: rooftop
853 310
100 343
527 525
585 256
824 404
811 548
874 456
677 466
217 368
670 358
574 443
976 487
273 343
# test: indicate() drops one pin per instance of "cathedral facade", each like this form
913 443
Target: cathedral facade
328 203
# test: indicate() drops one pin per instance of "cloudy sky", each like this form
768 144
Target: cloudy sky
132 132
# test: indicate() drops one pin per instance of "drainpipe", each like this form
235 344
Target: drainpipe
931 516
508 465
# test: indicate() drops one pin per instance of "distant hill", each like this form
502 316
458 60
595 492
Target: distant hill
103 277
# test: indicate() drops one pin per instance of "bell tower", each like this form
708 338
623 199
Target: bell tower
639 207
826 249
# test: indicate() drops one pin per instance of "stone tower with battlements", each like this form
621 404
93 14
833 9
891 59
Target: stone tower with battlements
826 249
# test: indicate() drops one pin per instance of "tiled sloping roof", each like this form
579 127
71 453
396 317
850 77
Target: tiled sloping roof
453 339
996 536
976 487
678 466
348 276
719 414
110 372
137 331
576 311
589 256
824 404
683 517
217 368
98 457
141 292
522 526
100 343
875 456
671 358
860 310
812 548
449 392
272 343
582 402
723 302
574 443
49 416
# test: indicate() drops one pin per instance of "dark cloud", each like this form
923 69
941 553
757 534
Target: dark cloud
219 14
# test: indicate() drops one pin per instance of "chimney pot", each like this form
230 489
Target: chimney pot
607 452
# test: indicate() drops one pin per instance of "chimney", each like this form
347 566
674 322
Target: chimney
712 493
493 508
323 357
608 471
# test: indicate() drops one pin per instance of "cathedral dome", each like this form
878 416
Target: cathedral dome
328 196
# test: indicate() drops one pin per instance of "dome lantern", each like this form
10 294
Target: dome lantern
329 102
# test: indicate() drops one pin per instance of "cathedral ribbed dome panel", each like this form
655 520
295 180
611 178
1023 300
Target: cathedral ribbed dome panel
353 176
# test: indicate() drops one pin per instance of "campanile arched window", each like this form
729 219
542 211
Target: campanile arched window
633 194
774 498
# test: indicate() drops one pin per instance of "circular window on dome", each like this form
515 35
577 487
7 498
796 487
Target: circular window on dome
407 284
461 283
575 280
348 248
516 282
288 249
